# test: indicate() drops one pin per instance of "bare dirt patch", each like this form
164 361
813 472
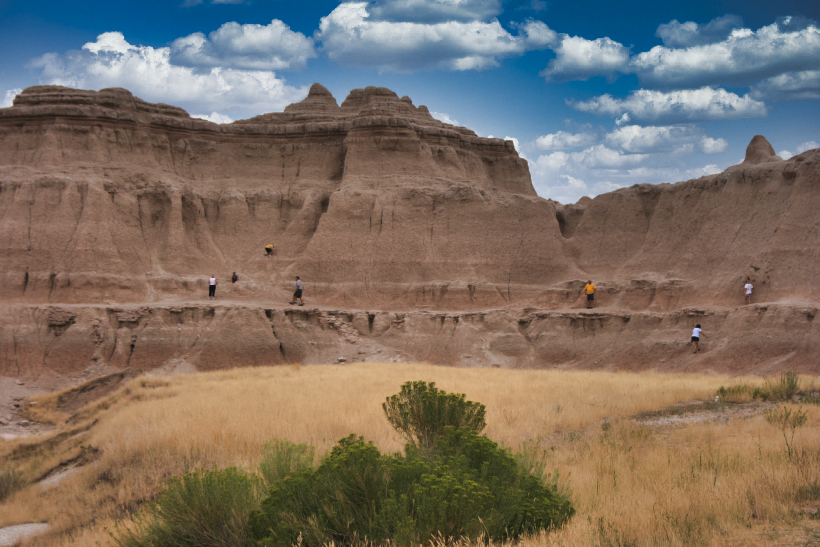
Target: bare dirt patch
693 412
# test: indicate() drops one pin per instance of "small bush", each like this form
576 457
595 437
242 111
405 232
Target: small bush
203 509
740 393
11 480
420 412
282 458
783 388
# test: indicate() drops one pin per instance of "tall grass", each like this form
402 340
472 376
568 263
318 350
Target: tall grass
706 483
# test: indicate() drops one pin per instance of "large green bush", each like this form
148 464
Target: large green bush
452 483
203 509
421 411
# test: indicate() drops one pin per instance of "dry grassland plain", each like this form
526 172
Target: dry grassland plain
700 474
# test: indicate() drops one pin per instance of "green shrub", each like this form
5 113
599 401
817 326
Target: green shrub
468 487
11 480
780 389
420 412
783 388
739 393
203 509
338 501
282 458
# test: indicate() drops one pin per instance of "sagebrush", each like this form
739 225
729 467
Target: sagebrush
451 483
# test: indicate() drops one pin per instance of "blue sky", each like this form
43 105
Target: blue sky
596 94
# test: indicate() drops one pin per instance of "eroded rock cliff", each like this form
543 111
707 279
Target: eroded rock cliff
114 212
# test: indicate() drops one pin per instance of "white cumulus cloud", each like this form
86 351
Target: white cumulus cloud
148 73
629 155
681 35
790 86
697 172
713 146
600 156
215 117
253 47
442 117
8 99
567 184
802 147
563 140
687 105
637 139
809 145
580 59
351 37
434 11
742 58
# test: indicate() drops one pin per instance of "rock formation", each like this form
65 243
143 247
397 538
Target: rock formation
416 240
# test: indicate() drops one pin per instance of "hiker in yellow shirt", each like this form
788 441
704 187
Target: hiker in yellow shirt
589 289
268 250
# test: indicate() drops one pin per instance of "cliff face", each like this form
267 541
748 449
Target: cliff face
758 221
113 208
105 196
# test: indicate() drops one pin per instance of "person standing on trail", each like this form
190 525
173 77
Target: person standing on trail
298 294
748 286
268 250
212 287
589 290
697 332
234 278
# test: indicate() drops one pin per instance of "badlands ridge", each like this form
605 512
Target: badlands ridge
416 240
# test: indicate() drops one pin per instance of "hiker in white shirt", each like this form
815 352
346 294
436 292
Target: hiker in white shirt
297 295
212 287
697 332
748 286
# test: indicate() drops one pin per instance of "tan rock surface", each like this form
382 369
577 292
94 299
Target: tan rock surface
413 237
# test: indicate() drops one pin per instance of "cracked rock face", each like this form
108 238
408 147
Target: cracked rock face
114 212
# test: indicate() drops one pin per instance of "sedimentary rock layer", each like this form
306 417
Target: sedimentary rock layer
111 203
92 340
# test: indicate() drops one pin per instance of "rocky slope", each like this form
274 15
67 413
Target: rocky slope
413 237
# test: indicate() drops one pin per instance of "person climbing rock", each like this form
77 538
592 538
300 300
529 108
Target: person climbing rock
298 294
589 289
748 286
234 278
212 287
268 250
697 332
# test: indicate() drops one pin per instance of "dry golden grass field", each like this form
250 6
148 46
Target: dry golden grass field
650 459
